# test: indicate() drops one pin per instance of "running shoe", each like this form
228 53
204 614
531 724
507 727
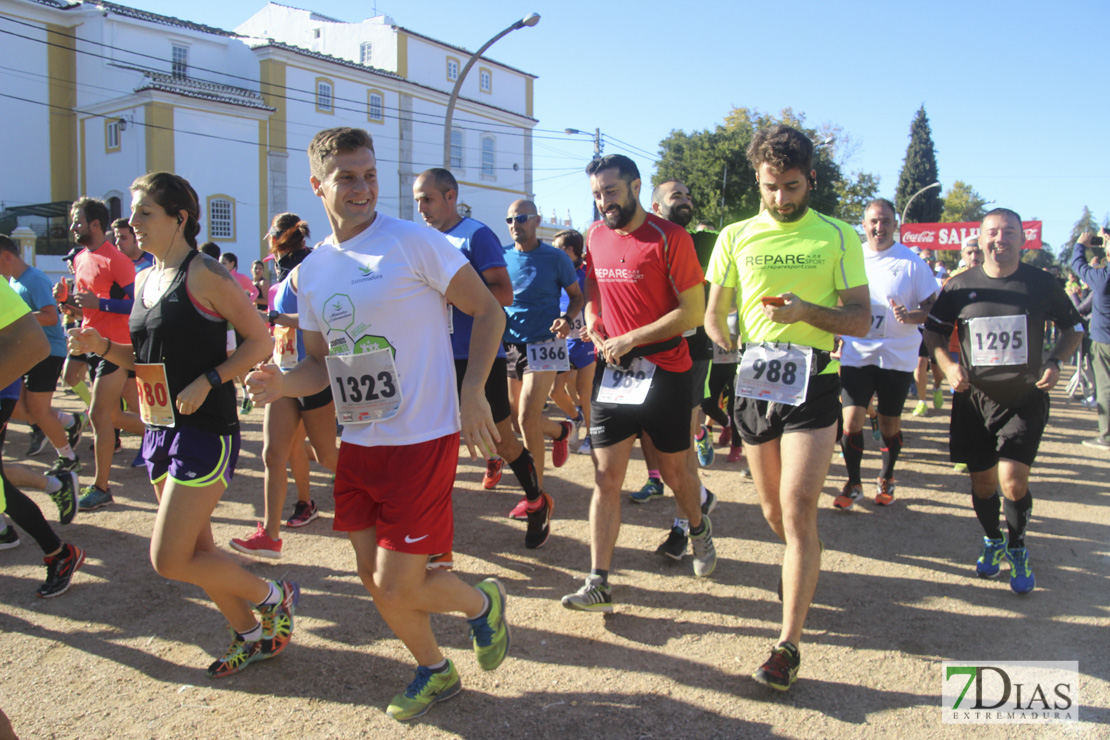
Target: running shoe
594 596
705 554
575 439
38 442
560 448
60 570
246 407
239 655
277 620
960 467
884 491
586 447
725 440
94 498
709 504
441 561
119 444
490 633
987 566
704 448
653 489
736 454
849 495
77 428
875 427
781 669
539 524
1021 574
9 538
493 473
1099 443
674 547
138 461
428 688
65 498
520 511
938 399
303 513
259 544
921 409
64 465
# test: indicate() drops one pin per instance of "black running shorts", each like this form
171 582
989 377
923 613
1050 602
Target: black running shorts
664 414
982 431
821 408
43 377
497 387
859 384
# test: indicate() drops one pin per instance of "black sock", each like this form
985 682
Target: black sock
893 445
440 667
1017 519
524 468
696 531
987 510
602 574
565 433
851 444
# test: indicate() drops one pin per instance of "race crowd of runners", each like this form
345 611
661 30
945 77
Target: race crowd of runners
784 329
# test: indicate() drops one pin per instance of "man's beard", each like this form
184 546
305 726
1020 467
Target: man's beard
680 215
794 215
85 239
625 213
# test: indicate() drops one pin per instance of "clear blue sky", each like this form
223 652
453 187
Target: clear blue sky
1014 90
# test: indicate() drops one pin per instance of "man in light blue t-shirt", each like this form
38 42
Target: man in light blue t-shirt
540 273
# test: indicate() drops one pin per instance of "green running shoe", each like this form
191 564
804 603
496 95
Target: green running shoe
425 690
239 655
594 596
491 632
705 448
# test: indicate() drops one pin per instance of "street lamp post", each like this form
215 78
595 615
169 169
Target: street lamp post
598 146
919 192
528 20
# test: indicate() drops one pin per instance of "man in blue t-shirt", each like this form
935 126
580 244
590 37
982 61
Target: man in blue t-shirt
126 242
436 194
61 429
536 331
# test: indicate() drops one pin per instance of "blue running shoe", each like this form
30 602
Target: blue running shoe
993 551
94 498
653 489
1021 575
705 448
425 690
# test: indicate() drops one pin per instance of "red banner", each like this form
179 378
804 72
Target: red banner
950 236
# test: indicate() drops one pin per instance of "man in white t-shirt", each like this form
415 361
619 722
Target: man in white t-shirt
903 290
373 304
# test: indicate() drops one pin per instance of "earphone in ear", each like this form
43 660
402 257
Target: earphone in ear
179 220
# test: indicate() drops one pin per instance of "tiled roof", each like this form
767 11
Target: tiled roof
142 15
199 89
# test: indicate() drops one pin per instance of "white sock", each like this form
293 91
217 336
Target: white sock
66 452
66 418
273 597
704 494
683 524
53 485
252 635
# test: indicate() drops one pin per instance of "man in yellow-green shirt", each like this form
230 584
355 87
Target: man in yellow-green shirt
798 279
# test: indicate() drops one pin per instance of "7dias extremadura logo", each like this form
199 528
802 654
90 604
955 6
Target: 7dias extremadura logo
1004 692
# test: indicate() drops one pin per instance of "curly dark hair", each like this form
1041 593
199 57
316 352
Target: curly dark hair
782 148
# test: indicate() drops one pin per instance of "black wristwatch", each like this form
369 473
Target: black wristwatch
566 317
214 378
1057 361
271 316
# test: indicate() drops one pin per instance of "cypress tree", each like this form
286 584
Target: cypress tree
918 170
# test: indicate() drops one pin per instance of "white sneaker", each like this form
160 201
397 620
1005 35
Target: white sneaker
584 448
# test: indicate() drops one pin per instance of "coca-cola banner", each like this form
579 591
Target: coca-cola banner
950 236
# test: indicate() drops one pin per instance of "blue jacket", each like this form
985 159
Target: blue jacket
1098 280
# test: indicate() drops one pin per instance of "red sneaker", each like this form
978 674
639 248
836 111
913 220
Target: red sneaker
520 511
560 448
736 454
493 473
259 544
726 437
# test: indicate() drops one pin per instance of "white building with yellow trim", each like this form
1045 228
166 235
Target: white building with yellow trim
96 94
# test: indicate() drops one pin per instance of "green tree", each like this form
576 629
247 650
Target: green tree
1086 222
855 192
919 169
714 165
962 203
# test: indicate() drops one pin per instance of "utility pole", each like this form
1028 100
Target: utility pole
724 184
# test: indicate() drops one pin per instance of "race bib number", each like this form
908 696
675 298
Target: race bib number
998 340
155 407
620 385
722 356
285 347
548 356
578 325
879 318
775 372
365 386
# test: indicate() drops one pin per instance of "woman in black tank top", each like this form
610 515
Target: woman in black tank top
178 331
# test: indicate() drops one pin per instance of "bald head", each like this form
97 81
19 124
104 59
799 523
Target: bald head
671 200
523 221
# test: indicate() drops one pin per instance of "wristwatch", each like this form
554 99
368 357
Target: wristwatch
1056 360
271 316
214 378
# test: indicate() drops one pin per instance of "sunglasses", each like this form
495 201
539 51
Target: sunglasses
521 219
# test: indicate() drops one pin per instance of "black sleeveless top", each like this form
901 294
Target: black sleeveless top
174 332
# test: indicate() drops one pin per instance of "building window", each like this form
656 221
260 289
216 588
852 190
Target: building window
452 69
180 61
325 102
485 80
366 53
316 33
456 149
488 161
111 134
221 218
375 106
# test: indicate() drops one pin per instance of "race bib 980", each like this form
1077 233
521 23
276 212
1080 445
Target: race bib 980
155 407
